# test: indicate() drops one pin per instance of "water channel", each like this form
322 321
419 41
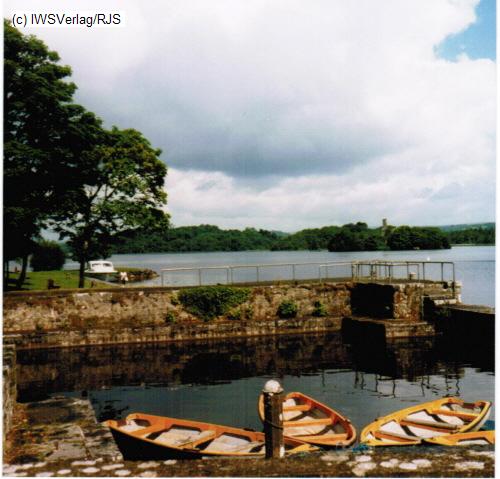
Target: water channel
219 382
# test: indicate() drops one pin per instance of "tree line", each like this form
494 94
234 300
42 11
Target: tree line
350 237
62 169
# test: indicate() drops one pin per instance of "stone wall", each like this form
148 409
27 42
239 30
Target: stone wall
133 308
69 318
9 387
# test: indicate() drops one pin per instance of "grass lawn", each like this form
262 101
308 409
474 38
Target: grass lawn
38 280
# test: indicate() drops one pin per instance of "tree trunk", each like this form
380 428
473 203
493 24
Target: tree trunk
81 277
22 274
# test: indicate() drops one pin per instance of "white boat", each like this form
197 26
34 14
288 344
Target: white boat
101 269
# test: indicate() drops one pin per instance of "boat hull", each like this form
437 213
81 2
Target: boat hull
412 425
474 438
300 413
143 436
135 449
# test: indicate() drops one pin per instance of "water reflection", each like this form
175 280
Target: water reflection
219 381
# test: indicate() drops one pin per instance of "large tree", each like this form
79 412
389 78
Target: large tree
121 189
44 137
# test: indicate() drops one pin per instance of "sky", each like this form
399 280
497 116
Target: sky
292 114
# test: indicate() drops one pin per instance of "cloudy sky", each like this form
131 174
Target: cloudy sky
288 114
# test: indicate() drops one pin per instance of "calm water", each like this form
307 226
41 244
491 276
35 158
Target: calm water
220 382
475 265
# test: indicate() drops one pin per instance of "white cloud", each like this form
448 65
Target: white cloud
288 114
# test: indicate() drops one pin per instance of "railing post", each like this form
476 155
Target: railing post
442 271
293 272
423 270
257 268
199 276
232 279
273 419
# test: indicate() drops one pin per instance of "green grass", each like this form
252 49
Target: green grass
38 280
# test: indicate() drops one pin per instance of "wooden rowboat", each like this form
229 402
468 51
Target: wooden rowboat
437 418
144 436
474 438
313 422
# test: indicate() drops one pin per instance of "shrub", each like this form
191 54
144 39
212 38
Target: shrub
48 256
170 317
241 313
287 309
319 309
208 302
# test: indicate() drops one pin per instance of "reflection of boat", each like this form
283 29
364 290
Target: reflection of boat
435 418
143 436
474 438
313 422
103 270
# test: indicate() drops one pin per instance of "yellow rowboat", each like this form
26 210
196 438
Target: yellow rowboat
313 422
144 436
474 438
432 419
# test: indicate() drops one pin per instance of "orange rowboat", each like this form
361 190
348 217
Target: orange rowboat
474 438
313 422
441 417
144 436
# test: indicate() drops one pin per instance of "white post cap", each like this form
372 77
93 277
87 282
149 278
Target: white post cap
272 386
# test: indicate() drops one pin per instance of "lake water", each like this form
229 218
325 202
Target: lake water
474 265
220 382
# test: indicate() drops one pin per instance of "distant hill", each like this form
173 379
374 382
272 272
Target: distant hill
466 226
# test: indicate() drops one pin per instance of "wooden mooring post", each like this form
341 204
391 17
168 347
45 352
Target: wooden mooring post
273 419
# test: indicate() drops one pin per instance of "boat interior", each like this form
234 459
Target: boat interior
301 419
215 440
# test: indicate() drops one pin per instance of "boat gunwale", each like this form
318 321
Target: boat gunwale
220 429
336 416
429 408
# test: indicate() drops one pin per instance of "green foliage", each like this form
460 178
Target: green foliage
170 318
48 256
194 238
121 188
45 134
350 237
477 235
241 313
405 238
174 300
319 309
357 237
287 309
307 239
208 302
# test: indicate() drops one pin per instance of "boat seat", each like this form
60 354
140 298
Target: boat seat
179 438
147 430
308 422
323 437
466 416
191 441
429 424
394 436
297 407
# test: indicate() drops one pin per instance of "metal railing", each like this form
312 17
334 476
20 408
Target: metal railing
382 270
